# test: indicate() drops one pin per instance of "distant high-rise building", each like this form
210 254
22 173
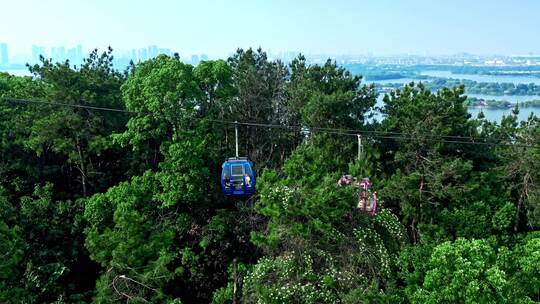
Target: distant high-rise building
152 51
4 58
79 54
142 55
194 59
72 55
165 52
58 54
62 53
54 54
204 57
35 53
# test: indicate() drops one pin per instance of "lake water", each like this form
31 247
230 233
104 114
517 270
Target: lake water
484 78
492 114
497 114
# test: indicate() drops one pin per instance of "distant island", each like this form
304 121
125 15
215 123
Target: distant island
499 104
474 87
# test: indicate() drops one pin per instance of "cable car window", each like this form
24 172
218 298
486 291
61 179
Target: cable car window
237 170
248 170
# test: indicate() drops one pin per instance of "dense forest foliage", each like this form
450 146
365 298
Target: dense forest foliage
126 207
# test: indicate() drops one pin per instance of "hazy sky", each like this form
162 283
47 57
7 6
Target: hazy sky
218 27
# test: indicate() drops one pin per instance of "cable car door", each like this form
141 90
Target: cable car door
237 178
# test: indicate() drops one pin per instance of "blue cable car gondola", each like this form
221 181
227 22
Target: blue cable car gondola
237 178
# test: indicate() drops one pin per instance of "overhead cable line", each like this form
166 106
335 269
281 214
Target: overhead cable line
335 131
381 135
63 104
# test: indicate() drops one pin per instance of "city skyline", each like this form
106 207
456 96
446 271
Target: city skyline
219 27
77 53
